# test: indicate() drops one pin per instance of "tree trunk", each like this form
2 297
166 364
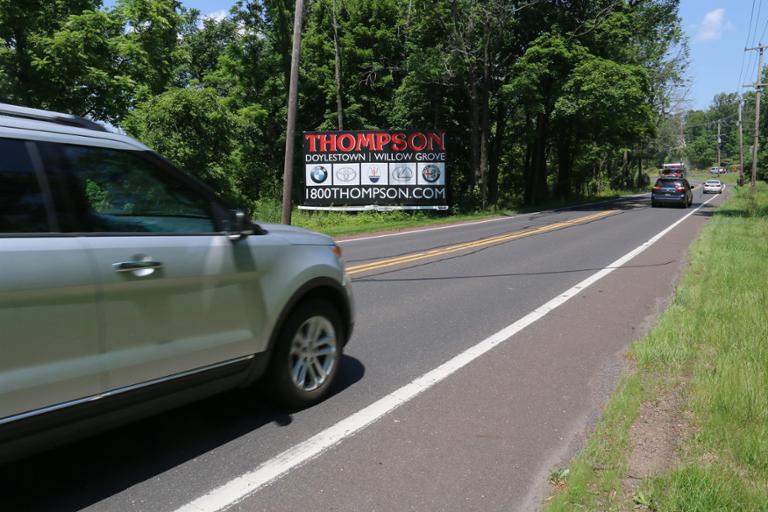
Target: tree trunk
493 170
540 159
485 123
564 160
23 77
474 105
337 50
528 165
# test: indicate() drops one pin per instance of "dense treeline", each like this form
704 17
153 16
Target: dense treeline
540 99
691 136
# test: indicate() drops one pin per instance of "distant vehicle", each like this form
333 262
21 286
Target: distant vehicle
672 191
128 287
673 170
713 187
714 171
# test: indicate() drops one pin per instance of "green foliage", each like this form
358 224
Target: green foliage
195 131
536 97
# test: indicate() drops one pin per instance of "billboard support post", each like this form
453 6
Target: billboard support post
290 130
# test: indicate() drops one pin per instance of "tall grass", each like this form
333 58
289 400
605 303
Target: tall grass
723 343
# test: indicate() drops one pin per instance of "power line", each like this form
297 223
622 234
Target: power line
752 42
757 21
764 29
746 44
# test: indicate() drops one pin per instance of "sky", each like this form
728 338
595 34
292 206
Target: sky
717 34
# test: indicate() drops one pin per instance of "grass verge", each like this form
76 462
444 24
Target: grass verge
712 343
352 223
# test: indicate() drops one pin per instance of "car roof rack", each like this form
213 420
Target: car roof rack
51 117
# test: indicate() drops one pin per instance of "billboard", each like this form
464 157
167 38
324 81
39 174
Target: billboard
373 168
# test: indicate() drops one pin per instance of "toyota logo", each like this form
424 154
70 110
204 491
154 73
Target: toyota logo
346 174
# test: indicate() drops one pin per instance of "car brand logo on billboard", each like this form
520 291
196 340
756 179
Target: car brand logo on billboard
402 173
430 173
346 174
319 174
373 173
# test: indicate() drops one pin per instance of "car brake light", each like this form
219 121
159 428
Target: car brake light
679 189
657 187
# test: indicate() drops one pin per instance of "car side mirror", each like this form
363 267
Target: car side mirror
239 225
691 186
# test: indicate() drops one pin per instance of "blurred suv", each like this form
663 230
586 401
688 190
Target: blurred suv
675 191
128 287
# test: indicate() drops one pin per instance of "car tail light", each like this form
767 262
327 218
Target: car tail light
679 189
657 188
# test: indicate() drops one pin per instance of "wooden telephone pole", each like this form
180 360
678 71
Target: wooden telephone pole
758 85
290 130
718 145
741 145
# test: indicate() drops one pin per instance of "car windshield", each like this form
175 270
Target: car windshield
712 182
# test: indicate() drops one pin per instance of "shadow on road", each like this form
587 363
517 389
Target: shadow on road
82 474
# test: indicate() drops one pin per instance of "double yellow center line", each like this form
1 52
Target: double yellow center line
450 249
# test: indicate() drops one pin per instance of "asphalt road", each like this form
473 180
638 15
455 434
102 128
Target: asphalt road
484 438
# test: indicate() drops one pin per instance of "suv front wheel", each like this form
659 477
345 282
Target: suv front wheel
307 355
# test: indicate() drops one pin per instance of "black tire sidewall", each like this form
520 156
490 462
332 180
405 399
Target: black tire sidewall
281 387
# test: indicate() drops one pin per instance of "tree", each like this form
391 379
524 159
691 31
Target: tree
193 130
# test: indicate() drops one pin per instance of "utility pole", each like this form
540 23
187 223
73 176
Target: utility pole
290 130
759 89
682 136
718 145
741 145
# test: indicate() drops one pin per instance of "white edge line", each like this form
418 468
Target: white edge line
475 223
241 487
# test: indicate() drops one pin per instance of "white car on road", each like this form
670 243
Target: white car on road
714 187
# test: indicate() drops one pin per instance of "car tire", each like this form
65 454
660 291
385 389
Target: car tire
654 204
298 375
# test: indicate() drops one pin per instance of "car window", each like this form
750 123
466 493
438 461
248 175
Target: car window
124 192
22 202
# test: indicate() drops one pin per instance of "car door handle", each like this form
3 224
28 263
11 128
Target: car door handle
140 266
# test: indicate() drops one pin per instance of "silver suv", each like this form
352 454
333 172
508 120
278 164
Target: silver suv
128 287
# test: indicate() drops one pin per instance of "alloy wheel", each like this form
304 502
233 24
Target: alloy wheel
313 353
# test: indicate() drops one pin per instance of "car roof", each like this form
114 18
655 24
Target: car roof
42 125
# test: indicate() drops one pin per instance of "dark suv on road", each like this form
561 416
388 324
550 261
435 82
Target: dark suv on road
676 191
